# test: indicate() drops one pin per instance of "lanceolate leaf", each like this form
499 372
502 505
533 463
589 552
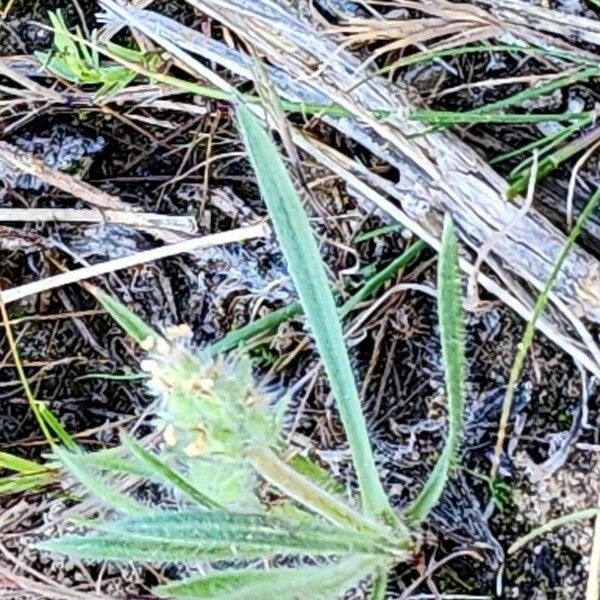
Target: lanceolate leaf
212 535
451 322
128 320
317 583
96 485
167 474
308 273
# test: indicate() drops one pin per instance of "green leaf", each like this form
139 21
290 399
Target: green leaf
308 273
271 321
212 535
29 475
317 474
112 460
451 322
580 515
167 474
538 309
378 232
380 582
135 327
327 582
18 464
16 484
55 425
97 486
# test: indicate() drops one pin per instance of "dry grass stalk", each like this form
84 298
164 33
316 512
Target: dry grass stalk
14 159
186 246
174 223
531 16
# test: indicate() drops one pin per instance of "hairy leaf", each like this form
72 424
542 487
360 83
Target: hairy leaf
212 535
308 273
327 582
96 485
167 474
451 323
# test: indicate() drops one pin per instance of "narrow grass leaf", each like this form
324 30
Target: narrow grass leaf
580 515
56 426
319 583
374 283
96 485
167 474
18 464
550 163
317 474
17 484
378 232
528 334
451 323
135 327
446 118
380 582
271 321
308 273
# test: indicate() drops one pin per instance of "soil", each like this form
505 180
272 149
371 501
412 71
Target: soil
67 343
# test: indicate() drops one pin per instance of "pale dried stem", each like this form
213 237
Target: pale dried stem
13 159
183 224
186 246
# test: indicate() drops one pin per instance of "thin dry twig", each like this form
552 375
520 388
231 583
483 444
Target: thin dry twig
184 224
12 158
186 246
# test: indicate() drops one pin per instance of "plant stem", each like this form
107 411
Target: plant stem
288 480
527 339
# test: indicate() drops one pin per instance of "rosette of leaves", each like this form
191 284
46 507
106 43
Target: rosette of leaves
221 439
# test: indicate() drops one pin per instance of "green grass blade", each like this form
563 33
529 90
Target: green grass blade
29 482
267 323
548 142
380 582
552 162
135 327
429 56
451 323
317 474
580 515
271 321
56 426
18 464
167 474
317 583
375 282
446 118
308 273
538 309
537 91
97 486
378 232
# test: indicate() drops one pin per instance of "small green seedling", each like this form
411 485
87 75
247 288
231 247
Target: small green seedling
80 63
